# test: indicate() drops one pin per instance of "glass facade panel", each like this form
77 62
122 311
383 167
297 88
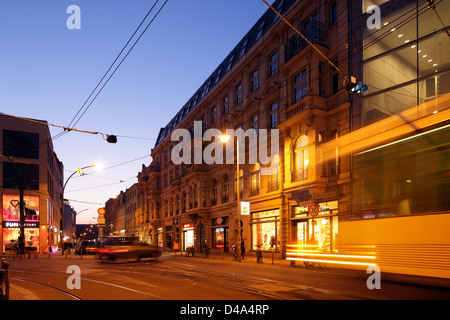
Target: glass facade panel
397 67
386 104
265 228
397 29
433 53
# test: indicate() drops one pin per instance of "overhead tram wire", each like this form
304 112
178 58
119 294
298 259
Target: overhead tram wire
365 46
151 21
72 123
406 20
304 38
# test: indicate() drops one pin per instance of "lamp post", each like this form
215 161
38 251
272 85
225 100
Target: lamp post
79 170
224 139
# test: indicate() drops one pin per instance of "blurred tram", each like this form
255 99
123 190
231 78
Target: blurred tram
400 207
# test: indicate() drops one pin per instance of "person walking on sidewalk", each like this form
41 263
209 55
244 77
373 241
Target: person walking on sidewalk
242 249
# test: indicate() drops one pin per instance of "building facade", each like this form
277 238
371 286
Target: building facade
29 164
356 176
123 213
272 79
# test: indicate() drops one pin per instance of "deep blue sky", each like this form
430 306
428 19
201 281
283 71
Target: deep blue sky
47 72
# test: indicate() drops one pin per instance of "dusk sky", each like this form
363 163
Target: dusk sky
47 71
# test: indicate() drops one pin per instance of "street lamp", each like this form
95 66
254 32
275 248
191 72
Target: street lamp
80 172
224 138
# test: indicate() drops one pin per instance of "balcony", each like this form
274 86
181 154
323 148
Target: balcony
315 34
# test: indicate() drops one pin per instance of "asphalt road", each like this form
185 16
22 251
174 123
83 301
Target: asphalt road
197 279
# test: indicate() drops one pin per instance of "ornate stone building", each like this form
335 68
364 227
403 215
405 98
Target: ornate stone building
272 79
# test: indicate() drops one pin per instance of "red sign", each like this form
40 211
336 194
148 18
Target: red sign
101 211
313 210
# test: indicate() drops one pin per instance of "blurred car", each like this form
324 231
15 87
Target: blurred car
85 247
124 248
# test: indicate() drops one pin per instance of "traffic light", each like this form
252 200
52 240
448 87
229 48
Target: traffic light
355 87
111 139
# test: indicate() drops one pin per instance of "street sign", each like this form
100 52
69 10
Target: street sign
101 211
313 210
101 221
111 225
175 222
245 208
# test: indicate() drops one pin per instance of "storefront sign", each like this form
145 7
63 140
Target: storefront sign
188 225
17 224
245 208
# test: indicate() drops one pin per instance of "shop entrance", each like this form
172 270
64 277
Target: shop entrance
188 236
316 233
220 238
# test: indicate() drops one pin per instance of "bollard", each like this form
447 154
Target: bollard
4 280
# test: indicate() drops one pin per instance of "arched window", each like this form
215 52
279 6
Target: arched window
225 189
273 175
166 214
301 158
254 179
214 193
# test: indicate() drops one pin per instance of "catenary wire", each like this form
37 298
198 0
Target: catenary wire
148 13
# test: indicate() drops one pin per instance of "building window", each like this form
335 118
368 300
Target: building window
177 205
273 177
254 81
321 93
241 183
334 163
255 125
301 158
333 20
308 23
213 115
17 175
183 202
238 93
214 193
243 48
225 105
254 179
260 30
300 83
19 144
335 78
265 228
226 189
273 64
273 117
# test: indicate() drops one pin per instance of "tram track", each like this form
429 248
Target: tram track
142 275
65 292
79 297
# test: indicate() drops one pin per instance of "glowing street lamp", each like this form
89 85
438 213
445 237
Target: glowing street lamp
224 138
80 172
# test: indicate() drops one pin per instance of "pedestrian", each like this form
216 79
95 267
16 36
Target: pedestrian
67 247
242 249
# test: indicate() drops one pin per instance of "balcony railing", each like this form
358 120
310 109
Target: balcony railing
315 34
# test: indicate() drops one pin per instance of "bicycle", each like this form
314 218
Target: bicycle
206 252
259 256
